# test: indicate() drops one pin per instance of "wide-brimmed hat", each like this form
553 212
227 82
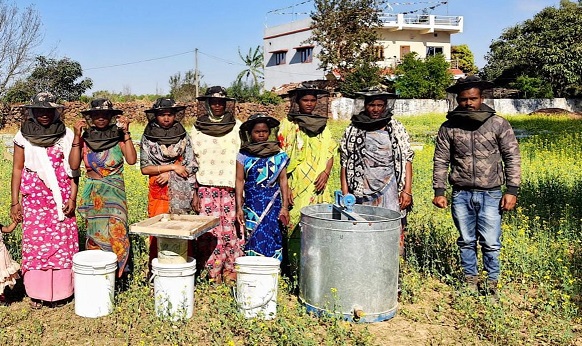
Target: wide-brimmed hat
259 118
215 92
162 104
375 93
469 82
44 100
307 89
102 105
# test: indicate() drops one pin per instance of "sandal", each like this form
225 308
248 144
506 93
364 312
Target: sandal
35 304
60 303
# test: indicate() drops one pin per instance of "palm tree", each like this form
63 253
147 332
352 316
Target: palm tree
254 65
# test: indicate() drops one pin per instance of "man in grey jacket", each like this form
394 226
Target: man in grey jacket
482 153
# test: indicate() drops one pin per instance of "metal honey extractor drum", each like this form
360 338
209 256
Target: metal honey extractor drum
350 267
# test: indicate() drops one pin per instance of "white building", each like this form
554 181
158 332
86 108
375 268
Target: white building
289 59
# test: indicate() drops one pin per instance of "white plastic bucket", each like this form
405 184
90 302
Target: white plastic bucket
94 274
174 289
256 286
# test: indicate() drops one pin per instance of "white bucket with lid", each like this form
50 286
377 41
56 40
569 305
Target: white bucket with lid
174 289
256 286
94 276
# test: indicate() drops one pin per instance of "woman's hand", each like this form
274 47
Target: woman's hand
284 216
240 217
123 123
79 126
405 200
289 198
181 170
16 213
69 207
321 181
163 178
195 204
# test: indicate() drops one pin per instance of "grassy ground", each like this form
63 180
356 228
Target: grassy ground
539 289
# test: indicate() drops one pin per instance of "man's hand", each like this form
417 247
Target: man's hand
440 202
508 202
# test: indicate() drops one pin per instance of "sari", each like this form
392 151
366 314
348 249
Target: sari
49 238
308 157
103 204
175 196
262 204
375 163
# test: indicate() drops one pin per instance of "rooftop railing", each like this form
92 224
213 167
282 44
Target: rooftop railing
399 19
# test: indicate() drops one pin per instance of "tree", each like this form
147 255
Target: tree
464 57
547 47
423 79
19 36
254 62
345 31
361 77
57 76
532 87
183 88
251 92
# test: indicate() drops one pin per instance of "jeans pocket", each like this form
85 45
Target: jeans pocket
456 193
496 194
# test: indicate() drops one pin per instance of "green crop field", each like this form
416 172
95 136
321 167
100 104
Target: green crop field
540 283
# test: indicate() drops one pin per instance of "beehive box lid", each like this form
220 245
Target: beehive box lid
175 226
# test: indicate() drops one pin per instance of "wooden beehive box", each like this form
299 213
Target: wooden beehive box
175 226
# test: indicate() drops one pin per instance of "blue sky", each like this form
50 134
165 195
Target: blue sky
103 33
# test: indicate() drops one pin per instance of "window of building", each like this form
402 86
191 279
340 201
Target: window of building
306 54
432 51
280 58
379 53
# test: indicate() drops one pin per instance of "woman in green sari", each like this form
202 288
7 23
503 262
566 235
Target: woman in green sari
103 145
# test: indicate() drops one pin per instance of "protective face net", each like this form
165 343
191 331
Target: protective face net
204 107
321 107
361 101
246 139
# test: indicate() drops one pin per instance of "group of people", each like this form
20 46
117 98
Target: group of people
254 176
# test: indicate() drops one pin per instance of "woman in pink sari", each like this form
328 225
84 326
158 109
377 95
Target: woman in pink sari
41 176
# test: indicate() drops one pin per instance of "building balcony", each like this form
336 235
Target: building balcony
423 23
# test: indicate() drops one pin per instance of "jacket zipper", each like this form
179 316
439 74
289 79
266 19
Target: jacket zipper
473 156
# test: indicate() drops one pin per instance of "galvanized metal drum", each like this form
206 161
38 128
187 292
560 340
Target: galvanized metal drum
350 267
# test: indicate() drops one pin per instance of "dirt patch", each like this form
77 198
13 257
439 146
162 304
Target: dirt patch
557 111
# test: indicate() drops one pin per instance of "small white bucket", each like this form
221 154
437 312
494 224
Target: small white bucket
174 289
94 282
256 286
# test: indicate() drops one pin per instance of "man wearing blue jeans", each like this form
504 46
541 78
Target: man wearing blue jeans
478 152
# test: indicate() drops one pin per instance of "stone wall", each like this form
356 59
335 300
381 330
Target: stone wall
340 108
11 115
